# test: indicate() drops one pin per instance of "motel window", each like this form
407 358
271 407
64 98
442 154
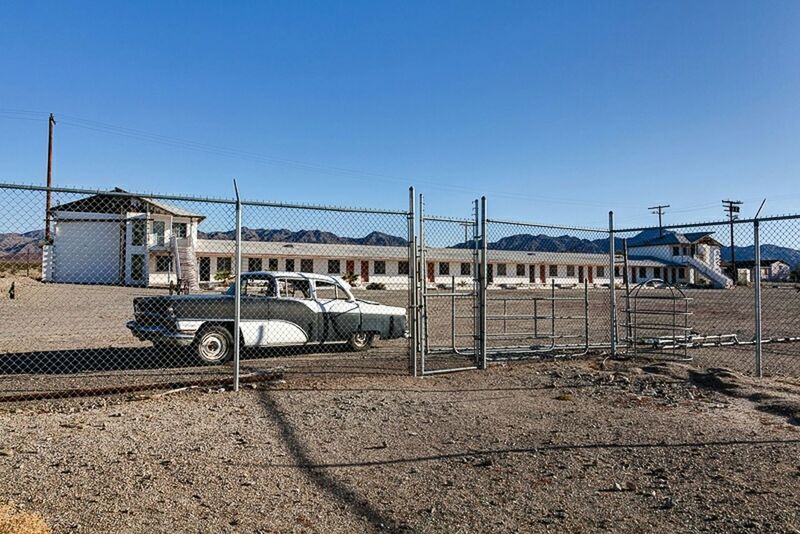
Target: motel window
334 267
601 271
501 269
520 269
402 267
570 270
137 267
616 271
159 228
273 264
163 264
676 251
138 229
681 273
642 272
224 265
444 268
307 266
179 229
685 251
553 270
290 265
254 264
466 269
379 267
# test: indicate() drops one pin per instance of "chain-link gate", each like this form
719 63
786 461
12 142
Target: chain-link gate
450 291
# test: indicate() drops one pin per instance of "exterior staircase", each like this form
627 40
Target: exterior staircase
717 278
185 263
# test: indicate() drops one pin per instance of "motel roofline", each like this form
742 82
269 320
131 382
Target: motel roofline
117 204
224 247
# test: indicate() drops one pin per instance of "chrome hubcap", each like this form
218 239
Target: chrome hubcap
212 347
360 338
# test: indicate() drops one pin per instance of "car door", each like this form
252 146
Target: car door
258 293
341 315
293 315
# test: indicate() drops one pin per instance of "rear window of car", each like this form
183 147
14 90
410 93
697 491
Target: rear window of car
299 289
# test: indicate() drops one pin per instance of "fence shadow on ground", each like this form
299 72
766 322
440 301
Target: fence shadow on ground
67 362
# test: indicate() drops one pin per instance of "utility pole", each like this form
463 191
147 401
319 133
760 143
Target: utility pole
659 210
52 122
732 207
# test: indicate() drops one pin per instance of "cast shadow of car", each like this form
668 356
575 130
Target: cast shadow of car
71 361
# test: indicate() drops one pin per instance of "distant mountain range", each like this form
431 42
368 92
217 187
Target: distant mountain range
21 247
768 252
378 239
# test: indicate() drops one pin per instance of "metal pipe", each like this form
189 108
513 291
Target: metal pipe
757 272
237 306
612 283
412 283
586 312
423 285
484 282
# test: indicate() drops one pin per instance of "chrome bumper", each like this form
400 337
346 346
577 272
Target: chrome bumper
159 333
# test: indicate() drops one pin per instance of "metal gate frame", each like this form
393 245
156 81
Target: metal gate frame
421 297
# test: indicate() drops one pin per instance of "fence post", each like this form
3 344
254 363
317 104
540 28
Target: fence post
237 289
412 284
612 284
483 282
757 273
422 309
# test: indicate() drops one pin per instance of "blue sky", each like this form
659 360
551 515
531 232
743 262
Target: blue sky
557 111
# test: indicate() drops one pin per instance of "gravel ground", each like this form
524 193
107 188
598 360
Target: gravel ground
546 446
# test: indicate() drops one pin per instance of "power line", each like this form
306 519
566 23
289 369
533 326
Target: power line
660 211
132 133
733 209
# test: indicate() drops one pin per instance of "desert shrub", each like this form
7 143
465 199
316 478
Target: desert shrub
350 277
221 276
16 521
376 285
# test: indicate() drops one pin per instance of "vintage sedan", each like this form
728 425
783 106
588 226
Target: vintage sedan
277 309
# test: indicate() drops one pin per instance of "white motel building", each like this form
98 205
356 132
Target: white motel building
138 241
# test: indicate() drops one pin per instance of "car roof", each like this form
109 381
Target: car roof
293 275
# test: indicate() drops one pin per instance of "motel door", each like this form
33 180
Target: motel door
365 270
205 268
589 271
532 274
580 274
541 274
350 267
430 272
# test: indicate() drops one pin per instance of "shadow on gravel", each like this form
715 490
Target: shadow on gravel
326 482
478 453
70 361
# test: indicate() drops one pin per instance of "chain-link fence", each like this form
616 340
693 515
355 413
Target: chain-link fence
108 292
726 294
112 292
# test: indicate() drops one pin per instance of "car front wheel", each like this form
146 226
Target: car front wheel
214 345
360 341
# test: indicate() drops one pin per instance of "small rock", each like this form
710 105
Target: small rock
6 452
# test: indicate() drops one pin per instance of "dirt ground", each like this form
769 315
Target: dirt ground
539 446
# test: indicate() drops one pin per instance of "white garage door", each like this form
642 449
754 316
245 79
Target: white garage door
86 252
